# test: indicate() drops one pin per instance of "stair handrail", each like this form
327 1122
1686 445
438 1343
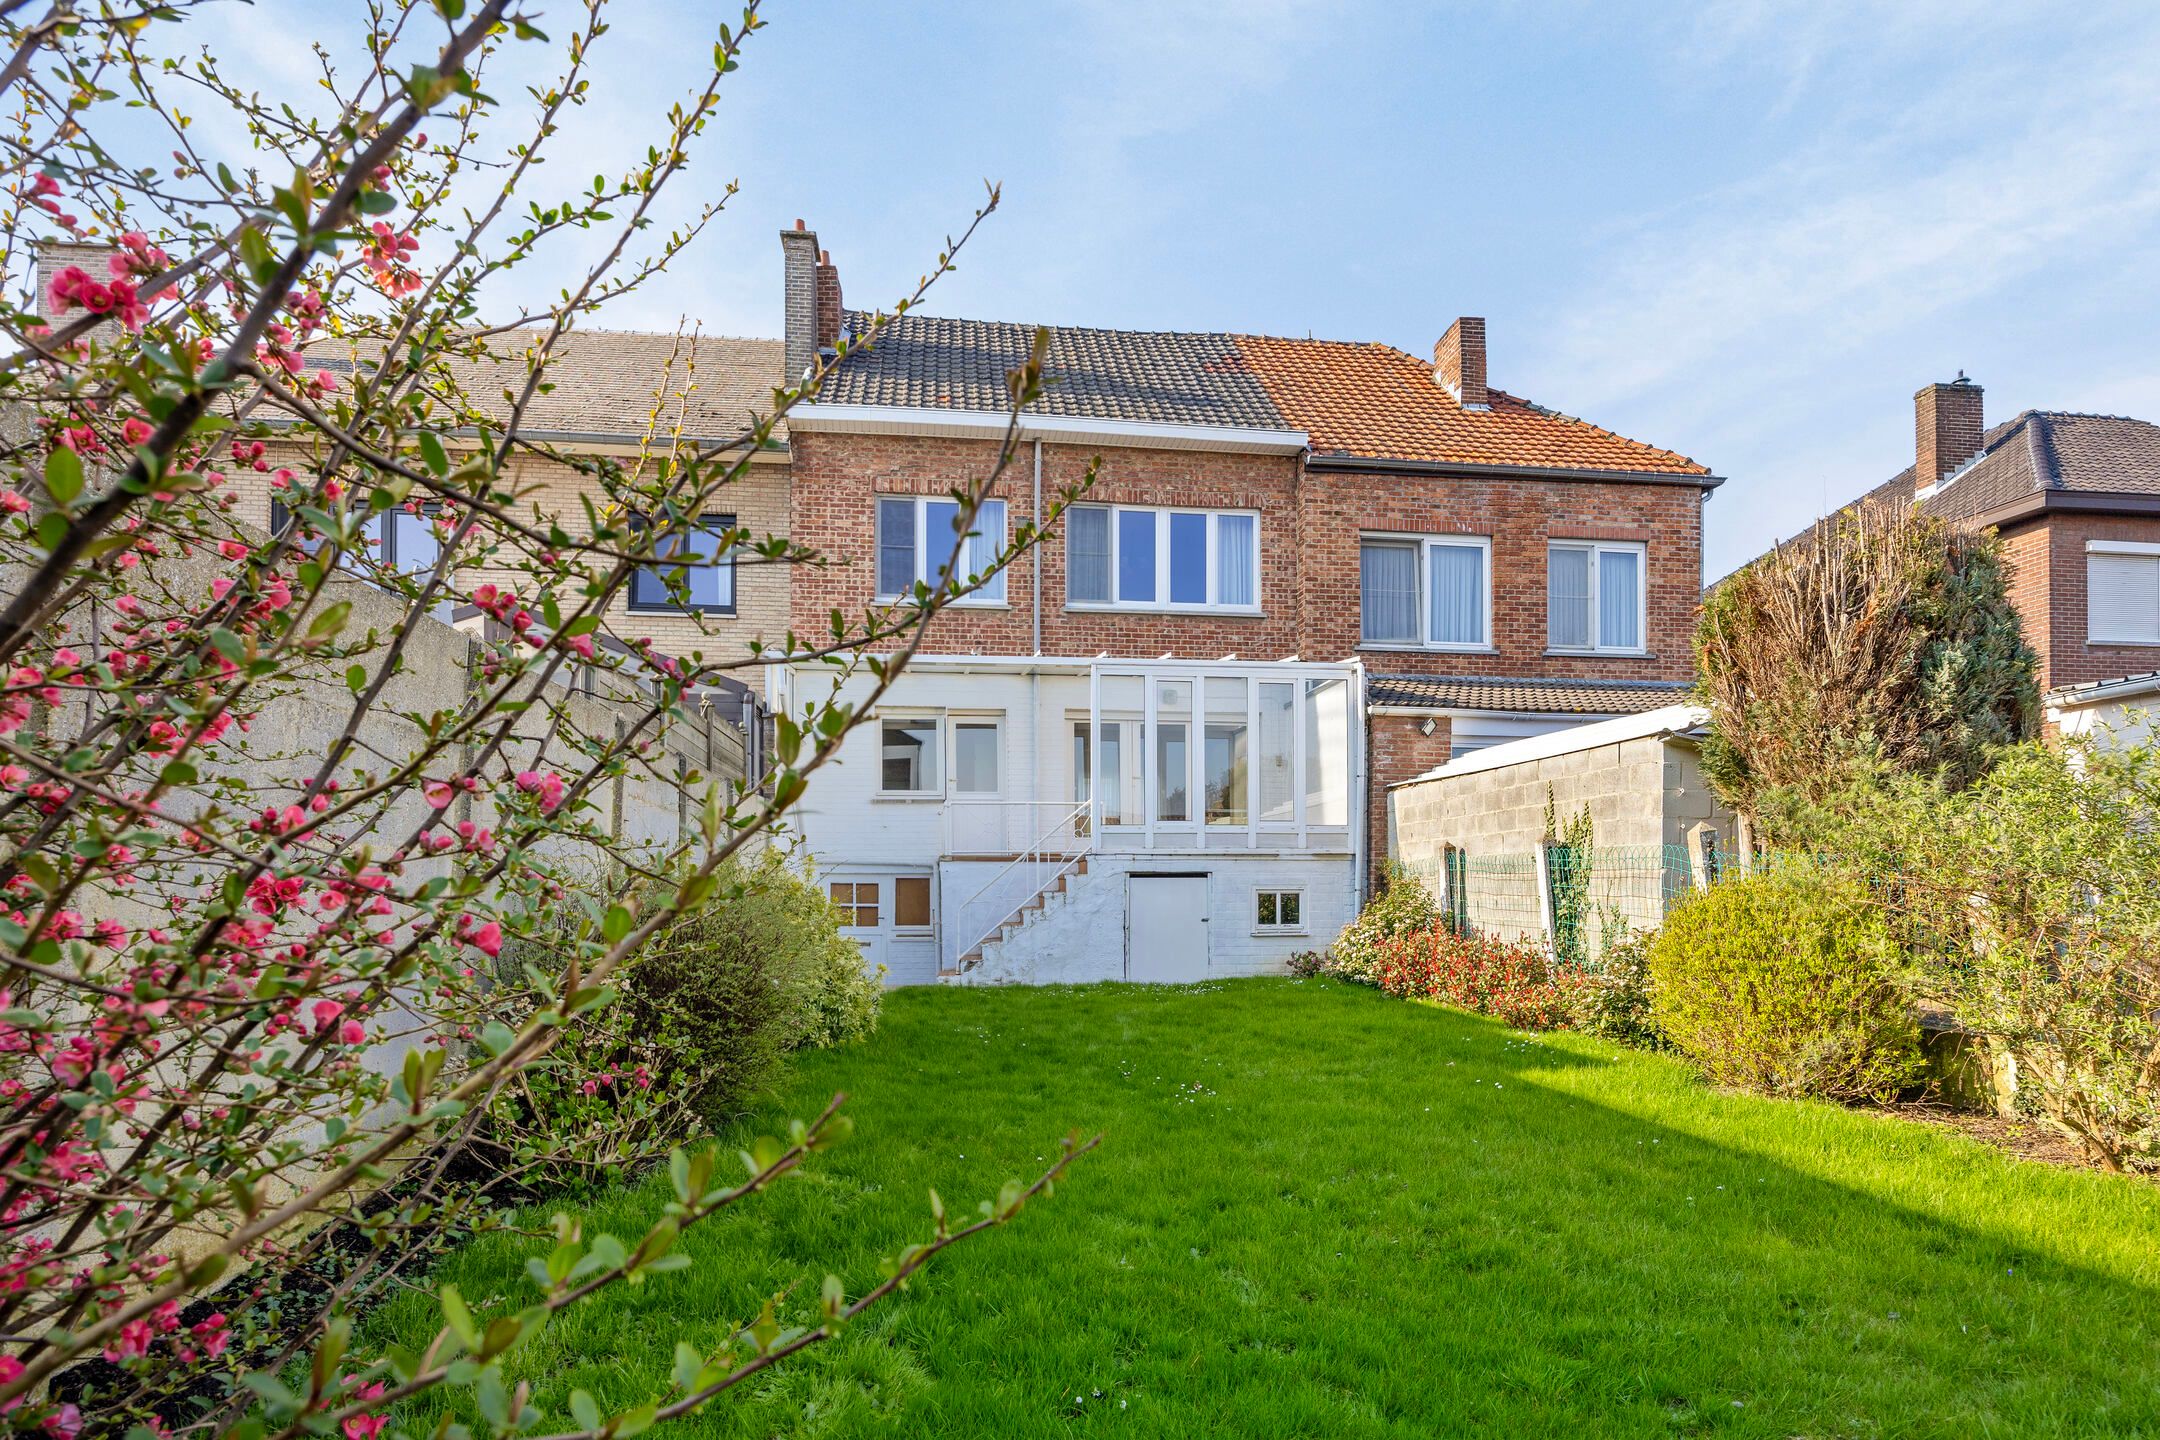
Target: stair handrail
1032 853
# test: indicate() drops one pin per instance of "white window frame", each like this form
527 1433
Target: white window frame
2119 548
1597 550
1162 603
1296 927
995 721
1425 544
937 720
980 599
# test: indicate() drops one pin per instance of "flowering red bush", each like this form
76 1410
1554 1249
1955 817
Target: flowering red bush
1507 980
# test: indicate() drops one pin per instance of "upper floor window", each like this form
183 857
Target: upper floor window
1151 558
2122 592
707 566
1425 590
1594 596
919 539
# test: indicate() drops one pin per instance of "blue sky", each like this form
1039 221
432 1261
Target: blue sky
1748 231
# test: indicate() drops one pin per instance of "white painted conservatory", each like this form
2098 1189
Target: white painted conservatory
1031 820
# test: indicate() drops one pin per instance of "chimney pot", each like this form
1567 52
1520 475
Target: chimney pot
799 224
1948 422
1459 362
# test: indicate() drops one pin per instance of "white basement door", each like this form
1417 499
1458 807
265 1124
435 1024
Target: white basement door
1167 940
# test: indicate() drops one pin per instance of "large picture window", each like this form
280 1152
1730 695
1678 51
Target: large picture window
1151 558
705 563
1594 596
1425 590
919 540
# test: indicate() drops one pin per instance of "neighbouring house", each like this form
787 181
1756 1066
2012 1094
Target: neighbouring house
2076 501
1158 746
2122 711
605 394
1475 828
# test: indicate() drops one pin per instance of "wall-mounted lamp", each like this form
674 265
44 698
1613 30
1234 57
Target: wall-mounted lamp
1426 726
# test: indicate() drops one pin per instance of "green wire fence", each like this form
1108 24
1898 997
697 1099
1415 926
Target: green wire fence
1567 898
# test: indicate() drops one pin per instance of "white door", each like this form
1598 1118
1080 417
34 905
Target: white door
1167 936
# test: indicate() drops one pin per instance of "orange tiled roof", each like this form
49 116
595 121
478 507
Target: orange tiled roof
1376 402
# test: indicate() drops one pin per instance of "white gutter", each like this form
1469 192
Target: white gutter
2101 691
1068 429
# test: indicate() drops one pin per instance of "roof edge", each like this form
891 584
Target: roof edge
991 424
1337 461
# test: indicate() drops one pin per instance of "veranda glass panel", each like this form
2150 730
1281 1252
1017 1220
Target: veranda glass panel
1275 764
1225 759
1173 755
1110 756
1327 753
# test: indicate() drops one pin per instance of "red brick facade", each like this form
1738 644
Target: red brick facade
2047 584
1310 523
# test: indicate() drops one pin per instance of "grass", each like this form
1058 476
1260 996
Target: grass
1320 1212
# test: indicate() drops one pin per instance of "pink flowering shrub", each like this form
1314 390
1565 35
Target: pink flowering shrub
261 875
1511 981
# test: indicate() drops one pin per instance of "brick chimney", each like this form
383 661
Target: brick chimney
1459 362
1947 426
799 329
828 302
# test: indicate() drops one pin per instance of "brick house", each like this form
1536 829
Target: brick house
2075 499
1277 526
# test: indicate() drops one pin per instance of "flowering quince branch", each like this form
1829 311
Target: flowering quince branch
261 878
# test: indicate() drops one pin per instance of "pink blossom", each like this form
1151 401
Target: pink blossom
488 939
352 1032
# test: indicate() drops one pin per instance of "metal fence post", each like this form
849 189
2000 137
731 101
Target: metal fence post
1546 918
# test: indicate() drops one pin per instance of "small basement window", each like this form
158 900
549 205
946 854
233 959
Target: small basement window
1279 910
857 901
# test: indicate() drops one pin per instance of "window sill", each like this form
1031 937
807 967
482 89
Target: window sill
1276 932
724 612
955 605
1600 655
1405 647
1230 612
2124 644
906 797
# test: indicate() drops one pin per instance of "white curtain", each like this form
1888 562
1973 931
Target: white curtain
1567 598
1087 553
1235 544
1619 599
1387 583
1458 595
983 546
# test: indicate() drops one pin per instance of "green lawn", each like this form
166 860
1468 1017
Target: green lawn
1321 1212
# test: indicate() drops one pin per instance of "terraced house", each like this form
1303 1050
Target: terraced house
1154 747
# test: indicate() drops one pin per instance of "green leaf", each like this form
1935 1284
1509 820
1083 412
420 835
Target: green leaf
431 450
584 1410
617 924
331 621
458 1318
375 202
63 475
635 1422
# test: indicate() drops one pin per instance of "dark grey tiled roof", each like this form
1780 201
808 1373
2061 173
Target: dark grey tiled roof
1163 377
2031 452
1567 697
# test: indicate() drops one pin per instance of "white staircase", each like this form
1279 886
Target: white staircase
1037 909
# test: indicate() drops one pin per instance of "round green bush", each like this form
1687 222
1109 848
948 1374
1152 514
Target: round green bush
1403 907
1781 983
